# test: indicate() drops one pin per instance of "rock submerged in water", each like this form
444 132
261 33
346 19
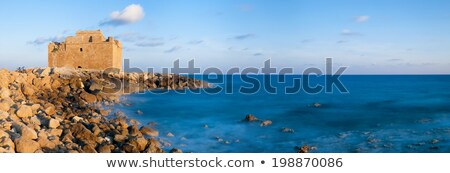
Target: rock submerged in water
266 123
303 149
149 131
139 112
176 150
250 118
317 105
287 130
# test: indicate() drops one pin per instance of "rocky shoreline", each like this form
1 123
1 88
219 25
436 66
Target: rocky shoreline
65 110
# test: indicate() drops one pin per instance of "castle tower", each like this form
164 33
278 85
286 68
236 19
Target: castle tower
87 50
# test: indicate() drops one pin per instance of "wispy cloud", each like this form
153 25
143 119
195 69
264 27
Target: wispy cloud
135 37
361 19
45 40
243 36
257 54
194 42
131 14
149 44
347 32
173 49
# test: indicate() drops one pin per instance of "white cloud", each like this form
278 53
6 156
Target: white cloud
45 40
362 19
347 32
131 14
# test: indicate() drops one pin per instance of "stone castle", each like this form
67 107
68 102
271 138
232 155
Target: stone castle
86 50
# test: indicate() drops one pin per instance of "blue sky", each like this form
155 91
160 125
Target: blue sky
370 37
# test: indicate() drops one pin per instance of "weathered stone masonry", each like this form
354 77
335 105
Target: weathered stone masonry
87 50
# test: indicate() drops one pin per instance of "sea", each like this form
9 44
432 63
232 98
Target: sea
376 114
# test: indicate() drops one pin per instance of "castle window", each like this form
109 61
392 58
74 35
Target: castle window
90 39
81 49
79 67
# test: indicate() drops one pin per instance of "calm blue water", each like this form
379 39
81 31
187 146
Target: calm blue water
379 114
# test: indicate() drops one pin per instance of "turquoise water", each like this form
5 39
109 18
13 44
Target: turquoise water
381 113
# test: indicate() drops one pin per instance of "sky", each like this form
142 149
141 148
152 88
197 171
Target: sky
367 36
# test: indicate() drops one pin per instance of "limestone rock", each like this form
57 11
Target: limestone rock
53 123
120 138
50 110
266 123
4 105
80 132
104 149
26 145
3 115
139 142
149 131
5 93
176 150
88 97
6 144
24 111
250 117
28 133
287 130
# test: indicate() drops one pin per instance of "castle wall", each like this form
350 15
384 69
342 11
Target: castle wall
87 50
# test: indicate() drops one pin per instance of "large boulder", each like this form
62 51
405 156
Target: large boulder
89 98
5 105
5 93
80 132
149 131
139 142
24 111
3 115
28 133
26 145
6 144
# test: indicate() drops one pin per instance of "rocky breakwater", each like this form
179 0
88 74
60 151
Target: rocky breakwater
66 110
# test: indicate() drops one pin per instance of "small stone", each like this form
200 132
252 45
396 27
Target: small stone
53 123
250 117
24 111
317 105
266 123
139 112
205 126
